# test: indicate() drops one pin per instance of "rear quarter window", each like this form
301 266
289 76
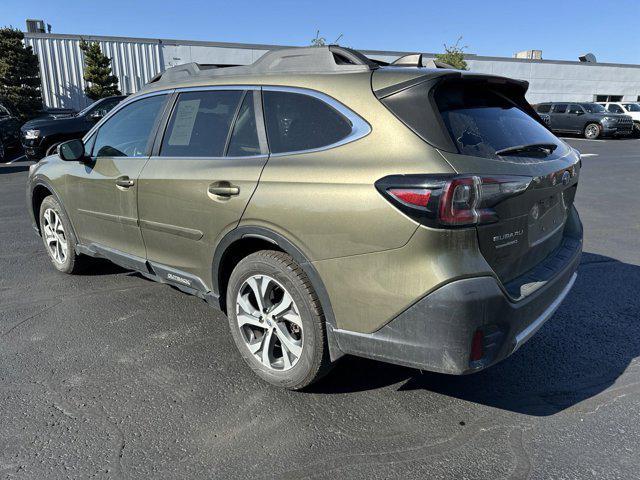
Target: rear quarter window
543 108
297 122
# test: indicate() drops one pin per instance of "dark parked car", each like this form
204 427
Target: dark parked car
9 132
41 136
588 119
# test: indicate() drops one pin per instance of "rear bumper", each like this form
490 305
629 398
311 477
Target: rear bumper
436 332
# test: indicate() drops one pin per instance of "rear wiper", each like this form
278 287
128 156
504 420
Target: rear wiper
547 148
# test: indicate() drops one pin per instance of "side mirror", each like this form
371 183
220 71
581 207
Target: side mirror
71 151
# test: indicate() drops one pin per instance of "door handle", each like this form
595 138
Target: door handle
124 182
224 189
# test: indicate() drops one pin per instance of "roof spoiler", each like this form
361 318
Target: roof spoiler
417 60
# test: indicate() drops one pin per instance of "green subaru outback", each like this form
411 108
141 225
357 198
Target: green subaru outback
329 206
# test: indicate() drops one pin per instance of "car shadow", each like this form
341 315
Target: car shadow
101 266
578 353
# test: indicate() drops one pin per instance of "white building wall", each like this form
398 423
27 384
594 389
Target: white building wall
135 61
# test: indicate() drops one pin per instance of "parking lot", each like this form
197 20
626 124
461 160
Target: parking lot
109 375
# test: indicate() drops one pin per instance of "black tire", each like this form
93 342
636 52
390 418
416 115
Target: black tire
313 362
3 152
72 262
592 131
636 130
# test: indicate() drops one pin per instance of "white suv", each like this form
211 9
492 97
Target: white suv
628 108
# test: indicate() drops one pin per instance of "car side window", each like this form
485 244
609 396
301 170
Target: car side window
105 107
200 123
575 109
544 108
559 108
297 122
614 108
126 133
244 139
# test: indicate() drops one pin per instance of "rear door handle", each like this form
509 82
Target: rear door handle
224 189
124 182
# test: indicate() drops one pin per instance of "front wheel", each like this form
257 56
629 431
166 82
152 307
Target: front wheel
57 237
276 320
592 131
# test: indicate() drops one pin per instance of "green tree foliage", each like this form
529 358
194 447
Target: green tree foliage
97 72
19 75
454 55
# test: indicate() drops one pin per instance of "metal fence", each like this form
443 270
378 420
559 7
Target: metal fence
134 62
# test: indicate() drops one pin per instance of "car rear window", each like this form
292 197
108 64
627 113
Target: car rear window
482 121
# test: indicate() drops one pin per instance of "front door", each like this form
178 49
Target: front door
196 186
104 190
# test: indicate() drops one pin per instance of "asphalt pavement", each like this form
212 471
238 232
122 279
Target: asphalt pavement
109 375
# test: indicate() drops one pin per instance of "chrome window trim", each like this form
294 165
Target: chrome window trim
360 128
120 106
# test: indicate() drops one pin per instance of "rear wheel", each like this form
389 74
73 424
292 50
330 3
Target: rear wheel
592 131
57 237
276 320
3 152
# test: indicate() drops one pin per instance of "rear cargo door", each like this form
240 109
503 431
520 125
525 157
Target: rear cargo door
494 135
484 127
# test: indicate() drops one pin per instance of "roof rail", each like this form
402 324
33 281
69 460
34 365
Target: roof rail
327 59
417 60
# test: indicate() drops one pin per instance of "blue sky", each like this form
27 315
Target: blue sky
562 29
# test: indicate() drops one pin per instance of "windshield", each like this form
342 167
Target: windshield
593 108
482 121
632 107
86 110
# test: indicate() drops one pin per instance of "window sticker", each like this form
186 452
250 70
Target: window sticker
184 121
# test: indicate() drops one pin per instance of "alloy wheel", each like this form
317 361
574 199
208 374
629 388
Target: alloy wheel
269 322
592 131
54 236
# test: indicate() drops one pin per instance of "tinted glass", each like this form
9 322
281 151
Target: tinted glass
559 108
244 139
632 107
544 108
301 122
106 106
615 109
126 133
482 122
199 124
593 107
573 108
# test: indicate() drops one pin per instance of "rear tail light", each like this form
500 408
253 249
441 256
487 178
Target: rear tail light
477 350
451 201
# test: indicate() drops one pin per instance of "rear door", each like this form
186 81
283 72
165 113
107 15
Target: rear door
559 117
196 186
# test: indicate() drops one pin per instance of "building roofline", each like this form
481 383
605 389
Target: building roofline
256 46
